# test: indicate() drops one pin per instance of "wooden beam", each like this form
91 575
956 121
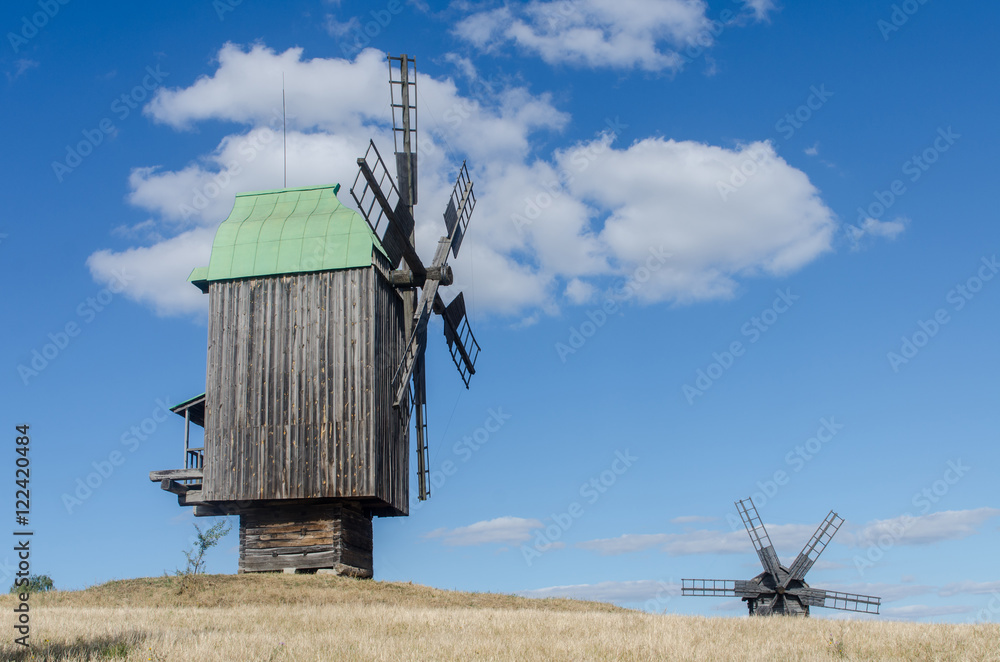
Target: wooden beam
208 511
193 497
407 278
175 474
171 485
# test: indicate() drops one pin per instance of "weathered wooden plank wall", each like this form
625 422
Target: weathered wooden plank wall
391 424
336 536
298 401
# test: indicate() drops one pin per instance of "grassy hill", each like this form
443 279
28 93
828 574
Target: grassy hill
320 618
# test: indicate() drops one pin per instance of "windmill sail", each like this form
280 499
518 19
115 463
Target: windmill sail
807 557
420 409
379 201
778 590
403 101
866 604
462 343
758 535
415 346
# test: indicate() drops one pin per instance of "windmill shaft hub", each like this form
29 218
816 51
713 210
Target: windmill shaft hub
403 278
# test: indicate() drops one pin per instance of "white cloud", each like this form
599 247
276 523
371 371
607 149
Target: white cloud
888 592
22 66
340 29
579 292
969 588
692 519
613 34
666 193
157 275
547 227
624 591
921 529
784 537
503 530
760 8
616 34
910 612
871 227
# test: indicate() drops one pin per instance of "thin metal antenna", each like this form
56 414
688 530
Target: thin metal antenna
284 132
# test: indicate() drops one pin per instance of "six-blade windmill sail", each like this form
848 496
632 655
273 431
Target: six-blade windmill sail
781 590
388 208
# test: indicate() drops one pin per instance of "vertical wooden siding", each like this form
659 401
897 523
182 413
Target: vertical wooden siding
297 386
391 428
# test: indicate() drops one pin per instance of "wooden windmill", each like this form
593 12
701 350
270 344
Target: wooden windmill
780 590
316 337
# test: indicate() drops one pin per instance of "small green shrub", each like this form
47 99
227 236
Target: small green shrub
36 584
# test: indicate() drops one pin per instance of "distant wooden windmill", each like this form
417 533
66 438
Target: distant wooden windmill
316 336
781 590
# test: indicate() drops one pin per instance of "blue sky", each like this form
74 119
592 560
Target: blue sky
721 249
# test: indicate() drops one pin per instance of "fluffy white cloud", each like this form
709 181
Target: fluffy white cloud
547 229
921 529
613 34
594 33
673 195
503 530
157 275
579 292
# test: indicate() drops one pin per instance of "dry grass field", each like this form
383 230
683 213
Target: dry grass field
297 618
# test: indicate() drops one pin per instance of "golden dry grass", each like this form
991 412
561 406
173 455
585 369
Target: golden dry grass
318 618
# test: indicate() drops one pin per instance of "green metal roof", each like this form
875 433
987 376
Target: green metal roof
288 231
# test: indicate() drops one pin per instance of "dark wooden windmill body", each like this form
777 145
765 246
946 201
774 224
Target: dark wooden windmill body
316 339
781 590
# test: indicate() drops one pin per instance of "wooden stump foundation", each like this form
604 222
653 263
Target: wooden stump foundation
336 538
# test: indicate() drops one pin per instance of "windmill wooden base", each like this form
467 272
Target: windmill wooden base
334 537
